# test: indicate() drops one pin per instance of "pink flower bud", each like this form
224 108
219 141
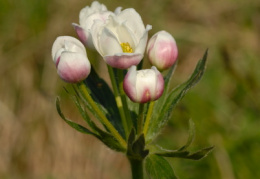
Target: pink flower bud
144 85
71 60
162 50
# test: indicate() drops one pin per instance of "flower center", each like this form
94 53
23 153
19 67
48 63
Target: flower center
126 47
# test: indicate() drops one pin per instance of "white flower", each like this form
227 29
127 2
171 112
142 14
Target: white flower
71 60
162 50
122 39
87 16
144 85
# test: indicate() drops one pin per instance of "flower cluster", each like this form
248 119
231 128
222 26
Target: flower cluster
129 126
120 37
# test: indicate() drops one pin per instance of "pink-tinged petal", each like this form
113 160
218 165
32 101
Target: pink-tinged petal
129 83
144 85
123 60
140 48
57 56
162 50
60 41
159 84
84 36
73 67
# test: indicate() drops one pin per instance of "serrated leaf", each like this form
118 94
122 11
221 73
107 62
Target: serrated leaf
158 168
186 154
191 135
104 97
74 125
173 98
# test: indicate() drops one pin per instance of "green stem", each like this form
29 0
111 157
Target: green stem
118 100
136 168
101 115
123 97
140 119
148 117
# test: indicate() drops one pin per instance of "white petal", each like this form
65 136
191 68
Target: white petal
94 8
145 80
118 10
110 44
89 21
60 41
121 31
133 21
140 48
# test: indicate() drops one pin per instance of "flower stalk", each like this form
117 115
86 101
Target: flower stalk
140 120
148 117
118 99
136 168
105 121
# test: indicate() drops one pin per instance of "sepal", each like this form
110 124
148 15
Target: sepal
136 147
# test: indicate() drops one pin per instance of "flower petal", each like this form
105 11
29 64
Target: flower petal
129 83
84 35
121 31
60 41
133 21
73 67
123 60
110 44
140 48
88 10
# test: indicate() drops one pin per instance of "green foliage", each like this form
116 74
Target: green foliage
103 96
105 137
165 109
157 167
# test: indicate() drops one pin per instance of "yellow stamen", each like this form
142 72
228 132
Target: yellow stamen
126 47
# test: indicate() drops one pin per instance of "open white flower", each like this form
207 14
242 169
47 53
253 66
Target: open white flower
87 16
122 39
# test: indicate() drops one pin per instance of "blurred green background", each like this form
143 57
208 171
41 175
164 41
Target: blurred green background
225 105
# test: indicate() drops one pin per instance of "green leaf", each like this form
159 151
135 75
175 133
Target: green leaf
110 141
104 97
186 154
105 137
191 135
158 168
173 98
74 125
